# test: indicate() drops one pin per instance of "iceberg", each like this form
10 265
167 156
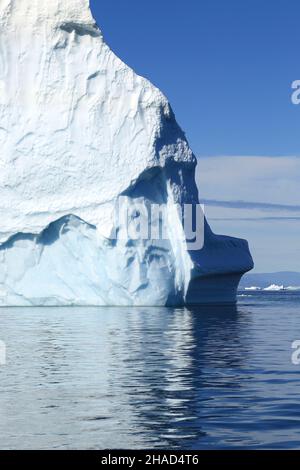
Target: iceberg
79 130
274 287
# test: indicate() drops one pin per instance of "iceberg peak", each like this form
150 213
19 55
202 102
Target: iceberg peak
29 12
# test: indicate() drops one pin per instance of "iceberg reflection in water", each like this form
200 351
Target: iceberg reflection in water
98 378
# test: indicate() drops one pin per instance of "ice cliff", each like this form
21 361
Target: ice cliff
78 130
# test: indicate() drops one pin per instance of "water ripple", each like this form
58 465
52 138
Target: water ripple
97 378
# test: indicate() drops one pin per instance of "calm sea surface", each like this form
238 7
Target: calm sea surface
94 378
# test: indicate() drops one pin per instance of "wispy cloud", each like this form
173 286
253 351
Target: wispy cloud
255 219
263 183
251 205
256 198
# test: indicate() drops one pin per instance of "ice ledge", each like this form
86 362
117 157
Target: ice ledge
68 263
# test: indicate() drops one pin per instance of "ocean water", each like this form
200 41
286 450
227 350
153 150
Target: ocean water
202 378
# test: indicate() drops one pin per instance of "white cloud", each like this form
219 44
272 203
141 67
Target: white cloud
260 179
273 232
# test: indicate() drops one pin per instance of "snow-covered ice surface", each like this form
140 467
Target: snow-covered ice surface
79 129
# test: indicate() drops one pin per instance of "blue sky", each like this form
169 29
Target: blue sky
227 67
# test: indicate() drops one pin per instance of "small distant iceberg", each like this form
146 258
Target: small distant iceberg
246 291
274 288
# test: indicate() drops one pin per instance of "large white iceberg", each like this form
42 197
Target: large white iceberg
78 130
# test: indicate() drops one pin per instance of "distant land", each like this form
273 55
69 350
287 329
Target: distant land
285 278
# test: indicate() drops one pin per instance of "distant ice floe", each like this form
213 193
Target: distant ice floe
274 287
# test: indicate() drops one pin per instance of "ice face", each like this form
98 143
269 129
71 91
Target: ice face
79 129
